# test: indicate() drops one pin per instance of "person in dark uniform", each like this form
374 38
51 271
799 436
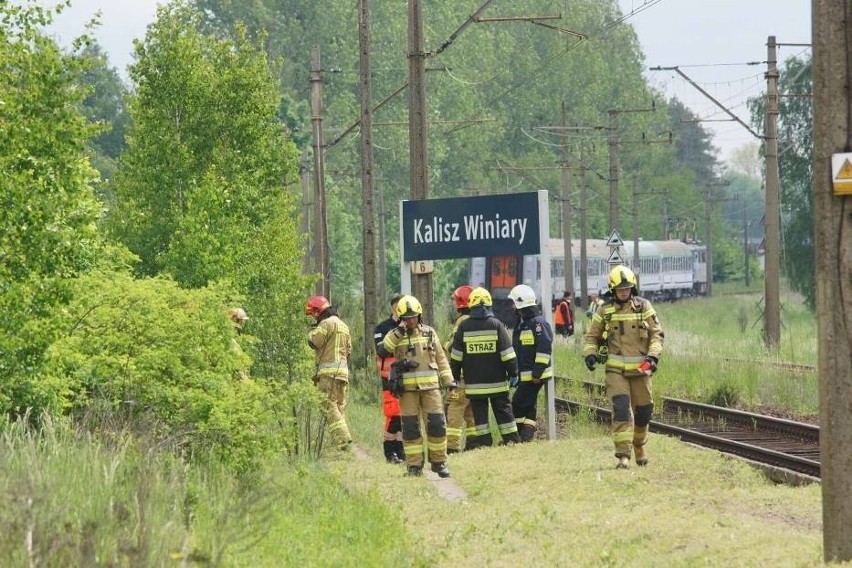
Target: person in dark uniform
482 354
532 340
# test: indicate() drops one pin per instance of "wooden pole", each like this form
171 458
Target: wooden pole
832 58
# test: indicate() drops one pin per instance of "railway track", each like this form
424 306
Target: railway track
779 446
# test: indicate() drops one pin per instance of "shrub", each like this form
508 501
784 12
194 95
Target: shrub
151 353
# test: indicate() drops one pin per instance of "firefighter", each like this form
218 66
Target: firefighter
392 445
628 328
563 316
332 345
595 301
532 340
416 345
238 317
482 353
459 413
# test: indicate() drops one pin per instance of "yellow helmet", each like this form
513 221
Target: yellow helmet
621 277
479 297
408 307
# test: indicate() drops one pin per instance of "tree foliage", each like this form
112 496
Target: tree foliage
205 191
104 105
148 352
48 217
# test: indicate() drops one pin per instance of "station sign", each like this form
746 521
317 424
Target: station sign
467 227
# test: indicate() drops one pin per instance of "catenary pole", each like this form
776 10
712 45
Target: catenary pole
772 317
368 230
321 239
421 284
567 213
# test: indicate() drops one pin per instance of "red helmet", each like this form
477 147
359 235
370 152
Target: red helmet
461 295
316 306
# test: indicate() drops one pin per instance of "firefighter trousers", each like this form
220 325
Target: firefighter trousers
460 423
502 409
632 406
428 404
524 403
334 407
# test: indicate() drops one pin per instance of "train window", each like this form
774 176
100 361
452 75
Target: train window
496 267
558 268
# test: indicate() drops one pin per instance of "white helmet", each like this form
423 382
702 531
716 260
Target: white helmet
522 296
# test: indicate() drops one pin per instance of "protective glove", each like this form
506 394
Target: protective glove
514 381
591 361
451 388
649 365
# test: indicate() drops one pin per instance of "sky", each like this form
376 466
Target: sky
708 40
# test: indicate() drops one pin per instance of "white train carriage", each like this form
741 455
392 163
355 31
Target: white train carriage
699 261
667 270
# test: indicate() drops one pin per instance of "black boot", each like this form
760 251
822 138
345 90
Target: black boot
392 452
527 433
441 469
414 471
399 449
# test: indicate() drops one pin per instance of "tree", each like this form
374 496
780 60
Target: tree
206 157
204 192
48 217
105 106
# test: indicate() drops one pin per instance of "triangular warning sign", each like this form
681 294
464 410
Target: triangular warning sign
614 257
615 241
845 170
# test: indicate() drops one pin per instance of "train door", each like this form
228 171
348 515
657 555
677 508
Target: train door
504 272
503 275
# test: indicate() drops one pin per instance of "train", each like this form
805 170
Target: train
667 270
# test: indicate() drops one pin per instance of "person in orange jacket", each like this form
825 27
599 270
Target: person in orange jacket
563 316
392 445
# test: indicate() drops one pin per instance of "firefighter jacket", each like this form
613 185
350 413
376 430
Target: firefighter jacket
632 330
532 340
482 355
332 344
383 363
423 346
448 344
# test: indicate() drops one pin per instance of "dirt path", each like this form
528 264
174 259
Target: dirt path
446 488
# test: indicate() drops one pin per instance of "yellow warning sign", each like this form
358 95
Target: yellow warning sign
841 174
845 170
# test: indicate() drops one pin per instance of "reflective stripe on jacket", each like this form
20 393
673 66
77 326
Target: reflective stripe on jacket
332 345
421 345
383 363
532 340
633 331
482 355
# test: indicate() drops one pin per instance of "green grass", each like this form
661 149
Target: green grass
70 499
716 345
